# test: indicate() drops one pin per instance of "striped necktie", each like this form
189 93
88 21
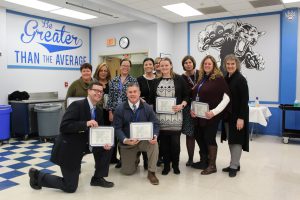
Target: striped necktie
134 108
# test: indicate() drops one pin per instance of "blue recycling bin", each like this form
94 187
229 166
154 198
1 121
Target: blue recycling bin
5 111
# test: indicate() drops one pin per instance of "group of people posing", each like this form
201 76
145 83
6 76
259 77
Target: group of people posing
124 99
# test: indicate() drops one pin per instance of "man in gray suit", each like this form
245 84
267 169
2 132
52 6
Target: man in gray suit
72 144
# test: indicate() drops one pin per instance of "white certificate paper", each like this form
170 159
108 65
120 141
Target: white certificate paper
101 136
165 104
141 130
200 109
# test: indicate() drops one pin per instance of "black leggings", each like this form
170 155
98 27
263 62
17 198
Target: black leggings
206 136
170 146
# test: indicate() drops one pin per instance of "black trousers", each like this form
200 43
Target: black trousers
69 180
170 146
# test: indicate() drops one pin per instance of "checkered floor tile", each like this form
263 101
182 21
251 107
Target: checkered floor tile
18 156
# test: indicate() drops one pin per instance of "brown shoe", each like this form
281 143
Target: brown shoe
152 178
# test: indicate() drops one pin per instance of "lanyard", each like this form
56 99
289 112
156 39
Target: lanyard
190 80
120 83
198 90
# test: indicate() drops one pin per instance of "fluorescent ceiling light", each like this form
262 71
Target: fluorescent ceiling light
73 14
183 10
35 4
290 1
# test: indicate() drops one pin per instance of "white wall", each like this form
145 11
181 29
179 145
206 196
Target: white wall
142 36
165 34
30 80
180 46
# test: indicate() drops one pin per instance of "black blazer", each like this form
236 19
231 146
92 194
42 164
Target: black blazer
73 140
181 90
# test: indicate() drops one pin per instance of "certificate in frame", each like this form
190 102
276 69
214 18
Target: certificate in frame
100 136
141 130
165 104
200 108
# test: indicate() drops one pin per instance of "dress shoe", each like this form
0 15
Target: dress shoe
118 165
33 175
152 178
209 170
232 172
166 170
227 169
176 170
101 182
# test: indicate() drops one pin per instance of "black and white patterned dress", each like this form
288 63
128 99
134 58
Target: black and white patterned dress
172 122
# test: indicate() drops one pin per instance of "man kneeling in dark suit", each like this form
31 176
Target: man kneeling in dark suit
72 143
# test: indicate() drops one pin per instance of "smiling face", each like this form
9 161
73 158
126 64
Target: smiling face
165 67
125 68
95 94
86 75
133 94
148 66
231 66
103 73
208 66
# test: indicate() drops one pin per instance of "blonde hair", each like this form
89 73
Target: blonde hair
172 73
99 67
216 71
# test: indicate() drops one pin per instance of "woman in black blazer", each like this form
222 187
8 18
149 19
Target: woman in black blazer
235 128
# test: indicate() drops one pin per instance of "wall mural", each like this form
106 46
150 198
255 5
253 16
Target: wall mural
255 40
233 38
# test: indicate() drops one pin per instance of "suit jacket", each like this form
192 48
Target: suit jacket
73 140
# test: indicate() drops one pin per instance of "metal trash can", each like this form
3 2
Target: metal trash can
5 111
48 117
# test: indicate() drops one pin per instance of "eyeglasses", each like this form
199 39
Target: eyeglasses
98 91
125 65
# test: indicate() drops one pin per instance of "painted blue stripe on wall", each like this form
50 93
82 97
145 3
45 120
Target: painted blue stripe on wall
41 67
288 69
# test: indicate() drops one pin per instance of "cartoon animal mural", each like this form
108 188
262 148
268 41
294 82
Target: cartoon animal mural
233 38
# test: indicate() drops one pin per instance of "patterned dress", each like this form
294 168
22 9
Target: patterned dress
188 121
172 122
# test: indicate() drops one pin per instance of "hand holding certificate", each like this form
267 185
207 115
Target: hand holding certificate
165 105
200 109
101 136
141 130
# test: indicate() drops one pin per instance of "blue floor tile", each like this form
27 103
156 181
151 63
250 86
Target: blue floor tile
33 147
6 153
24 158
11 147
7 184
29 152
12 174
46 157
45 164
3 159
18 165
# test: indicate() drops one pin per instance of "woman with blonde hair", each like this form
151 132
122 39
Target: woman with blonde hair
170 85
212 90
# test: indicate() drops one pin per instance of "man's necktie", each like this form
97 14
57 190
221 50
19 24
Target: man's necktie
134 108
93 113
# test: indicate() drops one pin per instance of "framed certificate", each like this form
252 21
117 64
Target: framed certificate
200 108
101 136
141 130
165 104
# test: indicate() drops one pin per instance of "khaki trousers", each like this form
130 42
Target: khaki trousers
130 160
